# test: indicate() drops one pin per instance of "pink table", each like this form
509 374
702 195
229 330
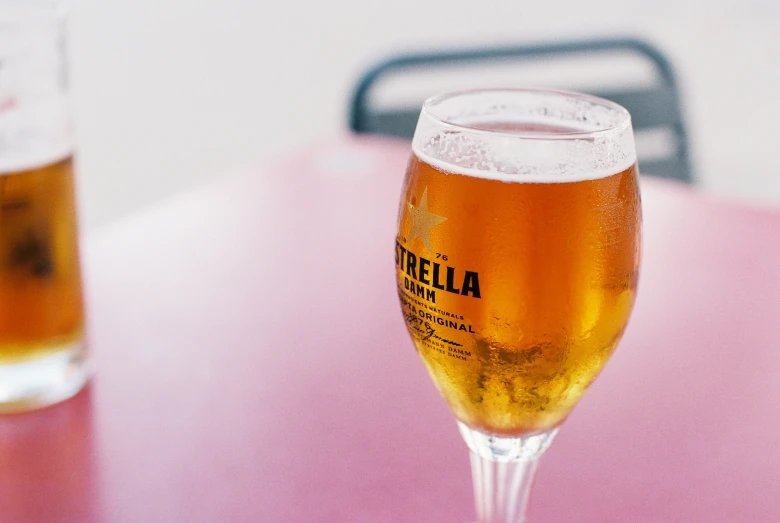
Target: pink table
253 366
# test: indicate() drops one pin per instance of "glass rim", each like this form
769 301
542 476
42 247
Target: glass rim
624 117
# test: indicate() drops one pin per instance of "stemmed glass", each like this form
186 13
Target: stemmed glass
517 261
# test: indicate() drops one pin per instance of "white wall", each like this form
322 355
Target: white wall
169 93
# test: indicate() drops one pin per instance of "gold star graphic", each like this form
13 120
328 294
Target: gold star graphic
423 221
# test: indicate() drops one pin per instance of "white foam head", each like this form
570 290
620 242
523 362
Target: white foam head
470 132
35 126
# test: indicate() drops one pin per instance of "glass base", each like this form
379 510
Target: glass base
506 449
41 382
503 470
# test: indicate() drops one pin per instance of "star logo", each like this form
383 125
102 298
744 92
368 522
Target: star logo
423 221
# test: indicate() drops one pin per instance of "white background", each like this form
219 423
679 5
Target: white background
170 93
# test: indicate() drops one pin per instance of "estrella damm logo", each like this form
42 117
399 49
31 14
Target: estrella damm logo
419 272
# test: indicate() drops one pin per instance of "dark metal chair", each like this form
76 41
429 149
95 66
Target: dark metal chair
656 107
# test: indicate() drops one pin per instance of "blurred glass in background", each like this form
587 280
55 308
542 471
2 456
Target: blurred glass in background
43 358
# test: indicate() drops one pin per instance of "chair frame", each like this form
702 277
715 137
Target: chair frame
679 167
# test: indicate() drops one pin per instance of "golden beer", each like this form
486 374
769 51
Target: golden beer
41 308
515 293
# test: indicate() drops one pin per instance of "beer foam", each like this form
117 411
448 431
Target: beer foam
35 128
35 159
531 166
595 139
34 136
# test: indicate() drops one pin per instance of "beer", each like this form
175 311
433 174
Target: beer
41 310
516 289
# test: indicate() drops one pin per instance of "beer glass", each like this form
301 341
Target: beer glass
43 358
517 259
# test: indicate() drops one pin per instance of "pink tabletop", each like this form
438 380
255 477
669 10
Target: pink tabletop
253 366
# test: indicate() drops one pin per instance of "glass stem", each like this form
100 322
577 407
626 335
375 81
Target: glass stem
503 470
501 489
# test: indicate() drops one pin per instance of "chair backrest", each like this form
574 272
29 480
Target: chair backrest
655 109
